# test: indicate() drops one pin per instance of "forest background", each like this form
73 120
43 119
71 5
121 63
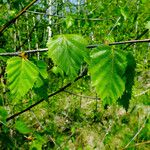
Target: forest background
74 74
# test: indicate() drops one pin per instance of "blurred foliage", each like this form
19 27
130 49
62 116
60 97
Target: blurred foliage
75 119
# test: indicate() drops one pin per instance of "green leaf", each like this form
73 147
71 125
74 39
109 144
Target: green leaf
57 71
42 66
123 13
3 114
21 75
39 82
69 21
22 127
68 52
107 69
37 144
147 26
129 76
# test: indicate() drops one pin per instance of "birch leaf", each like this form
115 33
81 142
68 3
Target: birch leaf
107 69
21 75
68 52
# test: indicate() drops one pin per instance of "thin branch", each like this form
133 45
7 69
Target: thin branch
28 51
138 37
40 124
114 26
35 12
53 15
42 127
138 144
131 42
143 125
93 19
29 37
16 17
51 95
89 46
89 97
142 93
107 132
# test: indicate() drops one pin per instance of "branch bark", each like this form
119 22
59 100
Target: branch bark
51 95
16 17
138 37
131 42
89 46
90 19
89 97
137 144
143 125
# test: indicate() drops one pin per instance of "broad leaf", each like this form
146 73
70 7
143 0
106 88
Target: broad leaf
68 52
21 75
129 76
107 69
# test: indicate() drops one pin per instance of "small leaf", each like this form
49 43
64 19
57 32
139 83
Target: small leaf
57 71
107 69
22 127
3 114
42 66
69 21
39 82
68 52
147 26
21 75
37 144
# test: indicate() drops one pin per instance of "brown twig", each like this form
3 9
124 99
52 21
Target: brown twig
89 46
131 42
89 97
137 144
16 17
138 132
19 52
51 95
90 19
138 37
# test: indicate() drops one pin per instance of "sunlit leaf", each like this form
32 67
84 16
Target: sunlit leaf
69 21
21 75
37 144
147 26
68 52
107 69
